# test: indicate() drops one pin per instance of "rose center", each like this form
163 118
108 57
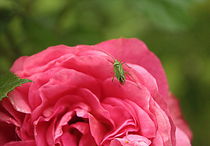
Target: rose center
76 119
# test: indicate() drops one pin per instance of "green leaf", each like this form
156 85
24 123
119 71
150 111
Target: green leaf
8 82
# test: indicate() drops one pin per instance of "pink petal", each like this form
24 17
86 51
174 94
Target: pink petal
9 111
181 138
68 139
40 59
18 99
21 143
95 65
145 78
176 115
64 121
67 80
131 110
165 126
40 133
131 140
136 52
114 107
7 133
158 140
129 91
95 106
146 124
126 127
98 130
18 64
87 139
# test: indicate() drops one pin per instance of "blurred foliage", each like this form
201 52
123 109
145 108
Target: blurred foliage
176 30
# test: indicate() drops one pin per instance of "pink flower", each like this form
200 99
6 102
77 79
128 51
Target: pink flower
73 100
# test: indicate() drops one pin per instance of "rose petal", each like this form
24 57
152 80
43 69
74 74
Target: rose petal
97 129
7 133
130 91
18 98
158 140
87 139
64 121
21 143
18 64
131 140
68 139
136 52
165 126
40 133
33 63
145 123
145 78
181 138
176 115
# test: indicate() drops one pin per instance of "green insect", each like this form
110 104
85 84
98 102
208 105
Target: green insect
119 71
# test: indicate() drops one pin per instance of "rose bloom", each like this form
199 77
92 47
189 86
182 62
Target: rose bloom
74 99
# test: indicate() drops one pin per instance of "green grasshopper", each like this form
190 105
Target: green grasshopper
119 71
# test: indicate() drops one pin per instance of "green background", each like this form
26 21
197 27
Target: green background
178 31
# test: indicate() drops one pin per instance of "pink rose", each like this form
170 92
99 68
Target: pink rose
73 100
